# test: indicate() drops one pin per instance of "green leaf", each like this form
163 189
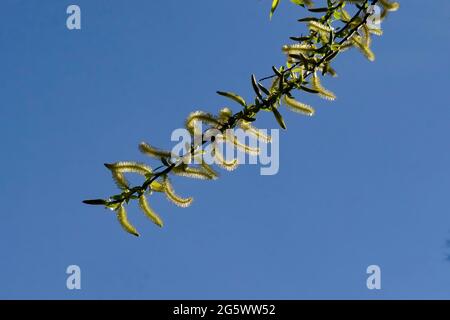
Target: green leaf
117 197
96 202
233 97
280 78
255 87
275 4
279 118
318 9
308 19
263 89
278 73
299 39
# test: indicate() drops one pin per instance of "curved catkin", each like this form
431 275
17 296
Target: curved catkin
317 26
297 106
172 196
367 38
330 71
365 50
298 48
377 32
390 6
317 85
221 162
231 138
201 116
321 29
123 220
118 169
190 172
148 211
120 180
247 127
130 167
208 170
148 150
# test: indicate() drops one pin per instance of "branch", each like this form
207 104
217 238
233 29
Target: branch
313 53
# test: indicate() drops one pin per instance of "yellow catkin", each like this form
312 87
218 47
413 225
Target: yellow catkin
358 42
231 138
172 196
390 6
315 25
128 166
322 29
247 127
221 162
118 169
148 211
377 32
324 93
148 150
201 116
120 180
367 37
298 48
299 107
123 220
189 172
208 170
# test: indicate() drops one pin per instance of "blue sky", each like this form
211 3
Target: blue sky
366 181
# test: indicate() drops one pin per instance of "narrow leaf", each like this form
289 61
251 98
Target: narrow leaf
233 97
255 87
96 202
279 118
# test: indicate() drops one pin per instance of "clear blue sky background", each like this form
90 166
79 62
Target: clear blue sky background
366 181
